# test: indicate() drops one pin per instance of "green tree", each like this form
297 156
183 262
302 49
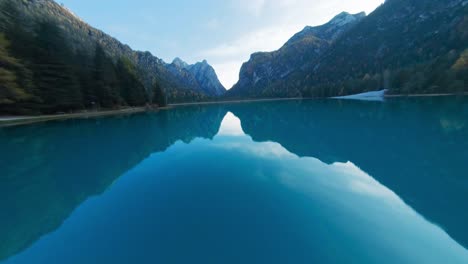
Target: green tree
159 97
53 73
131 89
105 88
10 90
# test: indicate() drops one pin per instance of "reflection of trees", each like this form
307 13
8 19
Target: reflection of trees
49 169
416 147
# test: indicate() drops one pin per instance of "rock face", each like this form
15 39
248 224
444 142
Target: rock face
207 78
84 37
405 46
200 77
178 69
265 70
330 31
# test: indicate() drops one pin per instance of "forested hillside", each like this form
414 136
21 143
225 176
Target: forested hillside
42 73
405 46
264 74
51 61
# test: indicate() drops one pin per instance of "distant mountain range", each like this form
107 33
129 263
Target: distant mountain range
406 46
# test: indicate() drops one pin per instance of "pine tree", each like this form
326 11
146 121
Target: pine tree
132 90
159 98
10 90
105 80
53 74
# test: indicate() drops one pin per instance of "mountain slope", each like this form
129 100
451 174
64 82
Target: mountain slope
264 70
82 43
180 73
200 77
406 46
207 78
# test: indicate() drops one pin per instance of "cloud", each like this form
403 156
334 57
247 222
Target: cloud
228 71
253 7
265 39
228 57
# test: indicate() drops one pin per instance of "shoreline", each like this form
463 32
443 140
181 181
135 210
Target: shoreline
425 95
240 101
25 120
8 121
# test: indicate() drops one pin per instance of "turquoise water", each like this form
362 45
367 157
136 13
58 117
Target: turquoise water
272 182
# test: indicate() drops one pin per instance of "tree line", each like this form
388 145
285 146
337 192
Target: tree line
41 74
446 74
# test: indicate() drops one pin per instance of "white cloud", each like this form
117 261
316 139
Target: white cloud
228 71
228 57
253 7
265 39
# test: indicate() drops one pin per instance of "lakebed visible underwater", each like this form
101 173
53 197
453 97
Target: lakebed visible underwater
302 181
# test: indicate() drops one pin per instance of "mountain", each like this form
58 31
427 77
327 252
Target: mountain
329 31
405 46
52 61
207 78
199 77
182 75
265 70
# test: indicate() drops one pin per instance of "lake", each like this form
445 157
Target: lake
312 181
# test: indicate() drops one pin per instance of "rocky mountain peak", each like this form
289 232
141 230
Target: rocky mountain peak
329 31
180 63
345 18
207 78
201 76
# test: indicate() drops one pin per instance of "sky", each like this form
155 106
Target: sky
224 33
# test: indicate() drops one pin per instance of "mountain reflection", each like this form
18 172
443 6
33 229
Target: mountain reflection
48 169
343 188
408 151
416 147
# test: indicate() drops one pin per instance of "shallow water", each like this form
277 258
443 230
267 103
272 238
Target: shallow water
267 182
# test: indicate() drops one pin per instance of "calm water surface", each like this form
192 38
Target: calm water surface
273 182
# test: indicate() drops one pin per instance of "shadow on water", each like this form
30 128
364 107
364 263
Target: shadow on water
418 148
49 169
